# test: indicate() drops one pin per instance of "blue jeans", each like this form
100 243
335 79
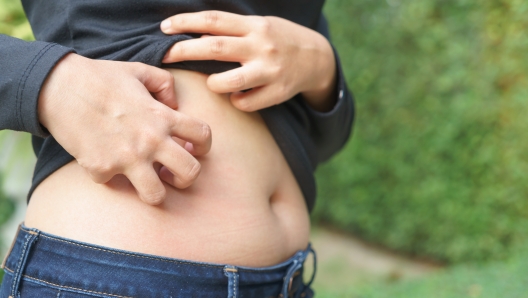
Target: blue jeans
42 265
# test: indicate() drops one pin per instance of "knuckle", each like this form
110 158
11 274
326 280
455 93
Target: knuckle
156 197
168 77
205 132
178 21
275 71
243 105
217 45
104 168
270 48
98 170
150 140
263 25
179 49
211 18
191 173
237 81
128 156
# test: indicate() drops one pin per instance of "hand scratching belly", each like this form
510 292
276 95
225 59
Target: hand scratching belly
245 208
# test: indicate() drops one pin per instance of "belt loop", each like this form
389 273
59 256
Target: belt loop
30 239
310 250
297 265
232 285
11 247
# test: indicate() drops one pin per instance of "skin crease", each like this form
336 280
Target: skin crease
236 192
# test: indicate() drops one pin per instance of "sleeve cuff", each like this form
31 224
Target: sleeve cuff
31 82
342 94
331 130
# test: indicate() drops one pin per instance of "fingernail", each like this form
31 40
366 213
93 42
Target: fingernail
165 26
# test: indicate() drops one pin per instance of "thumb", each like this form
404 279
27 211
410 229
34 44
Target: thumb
159 82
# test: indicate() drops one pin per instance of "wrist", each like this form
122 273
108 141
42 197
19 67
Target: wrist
321 92
52 92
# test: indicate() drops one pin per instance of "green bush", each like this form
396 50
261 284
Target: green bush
505 279
437 163
12 22
7 208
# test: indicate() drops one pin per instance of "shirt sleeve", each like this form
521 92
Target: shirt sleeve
330 130
24 68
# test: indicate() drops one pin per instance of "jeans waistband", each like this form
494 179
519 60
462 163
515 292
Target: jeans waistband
85 268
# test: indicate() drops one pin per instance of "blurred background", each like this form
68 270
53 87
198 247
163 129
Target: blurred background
429 197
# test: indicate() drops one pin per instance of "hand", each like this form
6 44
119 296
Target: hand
102 113
279 58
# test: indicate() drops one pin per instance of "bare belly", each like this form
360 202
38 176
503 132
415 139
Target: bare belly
244 209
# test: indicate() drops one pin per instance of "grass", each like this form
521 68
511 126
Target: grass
508 279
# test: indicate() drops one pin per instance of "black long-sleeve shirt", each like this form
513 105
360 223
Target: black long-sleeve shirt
127 30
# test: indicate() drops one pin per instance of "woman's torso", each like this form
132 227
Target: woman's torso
245 208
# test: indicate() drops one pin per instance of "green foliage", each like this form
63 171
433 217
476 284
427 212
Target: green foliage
499 279
7 208
13 20
437 162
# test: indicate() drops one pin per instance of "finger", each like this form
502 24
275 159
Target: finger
192 130
180 167
212 21
241 78
159 82
233 49
147 184
258 98
99 174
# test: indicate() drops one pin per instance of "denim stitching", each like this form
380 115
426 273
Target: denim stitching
18 265
144 257
72 288
127 254
23 80
65 287
234 284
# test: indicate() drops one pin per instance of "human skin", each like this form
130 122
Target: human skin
279 58
103 114
245 208
245 203
273 52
